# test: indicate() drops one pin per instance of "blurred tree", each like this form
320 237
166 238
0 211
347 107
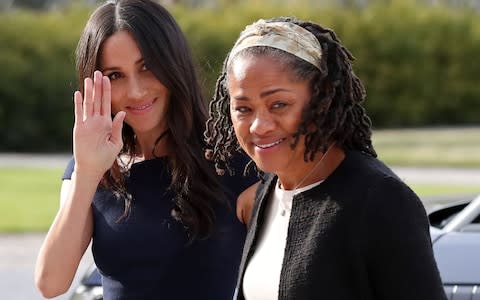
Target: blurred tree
33 4
5 4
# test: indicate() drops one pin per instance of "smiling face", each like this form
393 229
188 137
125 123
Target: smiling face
135 89
266 106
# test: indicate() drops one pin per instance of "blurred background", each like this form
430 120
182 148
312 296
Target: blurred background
418 60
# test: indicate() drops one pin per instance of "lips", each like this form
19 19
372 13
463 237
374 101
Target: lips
270 145
140 108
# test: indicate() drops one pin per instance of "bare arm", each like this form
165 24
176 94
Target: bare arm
96 144
245 203
66 241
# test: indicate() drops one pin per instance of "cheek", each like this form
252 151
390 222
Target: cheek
115 108
241 135
234 119
235 125
116 100
294 120
239 128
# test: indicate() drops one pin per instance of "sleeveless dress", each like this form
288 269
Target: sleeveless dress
148 255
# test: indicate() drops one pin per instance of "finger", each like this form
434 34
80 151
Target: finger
88 101
107 97
78 107
117 126
97 92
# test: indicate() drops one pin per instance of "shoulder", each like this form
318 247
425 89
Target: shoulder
393 210
376 188
365 165
383 189
393 200
363 173
245 203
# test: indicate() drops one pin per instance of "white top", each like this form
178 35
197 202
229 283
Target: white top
262 274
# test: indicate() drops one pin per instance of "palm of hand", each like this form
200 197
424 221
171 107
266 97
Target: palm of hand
96 138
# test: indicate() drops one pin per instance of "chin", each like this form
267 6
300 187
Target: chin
267 167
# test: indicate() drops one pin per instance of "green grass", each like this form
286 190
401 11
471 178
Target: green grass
29 198
444 190
448 147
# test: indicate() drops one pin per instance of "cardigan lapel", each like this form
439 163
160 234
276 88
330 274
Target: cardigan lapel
256 222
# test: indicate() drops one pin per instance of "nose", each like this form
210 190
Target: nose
136 88
262 123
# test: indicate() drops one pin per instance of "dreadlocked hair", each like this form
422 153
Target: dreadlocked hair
338 95
336 107
219 134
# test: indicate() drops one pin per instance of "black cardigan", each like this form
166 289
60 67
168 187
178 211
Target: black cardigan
360 234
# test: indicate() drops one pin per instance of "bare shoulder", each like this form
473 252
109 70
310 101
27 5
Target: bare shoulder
245 203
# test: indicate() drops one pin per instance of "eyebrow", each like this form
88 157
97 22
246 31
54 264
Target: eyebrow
264 94
139 61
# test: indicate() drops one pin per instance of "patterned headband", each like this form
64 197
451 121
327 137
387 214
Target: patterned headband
285 36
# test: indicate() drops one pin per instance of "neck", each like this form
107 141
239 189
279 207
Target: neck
320 170
152 145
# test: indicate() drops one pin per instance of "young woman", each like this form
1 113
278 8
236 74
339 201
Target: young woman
163 224
330 221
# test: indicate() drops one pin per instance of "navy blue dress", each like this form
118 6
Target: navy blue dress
147 255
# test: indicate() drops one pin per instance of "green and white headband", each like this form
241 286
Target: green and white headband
285 36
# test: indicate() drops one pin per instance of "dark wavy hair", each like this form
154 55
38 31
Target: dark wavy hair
167 54
336 107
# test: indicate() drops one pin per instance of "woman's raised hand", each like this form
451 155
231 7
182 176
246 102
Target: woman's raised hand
97 139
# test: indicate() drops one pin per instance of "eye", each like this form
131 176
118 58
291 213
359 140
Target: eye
241 109
279 105
144 67
114 75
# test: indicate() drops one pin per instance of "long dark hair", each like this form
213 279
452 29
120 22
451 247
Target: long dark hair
335 108
166 53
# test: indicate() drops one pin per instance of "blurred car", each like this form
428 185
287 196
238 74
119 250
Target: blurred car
455 232
90 287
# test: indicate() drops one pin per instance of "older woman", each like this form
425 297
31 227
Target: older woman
330 221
